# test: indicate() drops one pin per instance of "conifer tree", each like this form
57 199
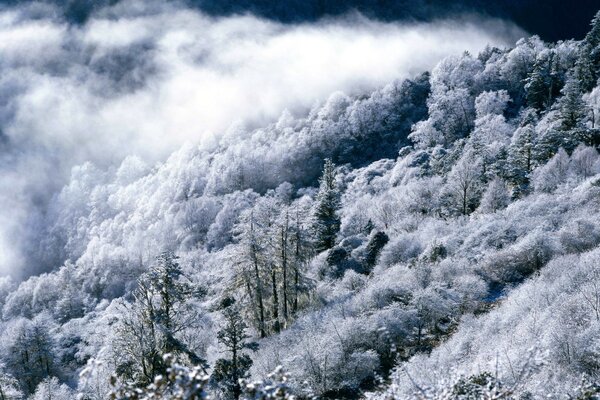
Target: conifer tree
585 71
588 62
536 88
520 153
228 371
326 221
571 105
543 83
593 36
376 243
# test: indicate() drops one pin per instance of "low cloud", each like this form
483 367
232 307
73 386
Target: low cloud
144 78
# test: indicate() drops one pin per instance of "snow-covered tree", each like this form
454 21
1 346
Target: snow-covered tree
151 326
495 197
52 389
465 185
326 219
228 372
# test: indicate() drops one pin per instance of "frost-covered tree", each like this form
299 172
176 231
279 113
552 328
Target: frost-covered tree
227 372
151 326
585 162
572 109
543 82
585 71
495 197
520 161
10 388
52 389
450 104
491 136
29 350
179 382
548 177
327 202
464 185
589 57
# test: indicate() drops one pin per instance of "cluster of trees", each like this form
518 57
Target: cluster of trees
337 245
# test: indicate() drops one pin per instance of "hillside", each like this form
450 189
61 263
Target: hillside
436 237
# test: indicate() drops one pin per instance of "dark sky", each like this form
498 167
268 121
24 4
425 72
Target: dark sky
551 19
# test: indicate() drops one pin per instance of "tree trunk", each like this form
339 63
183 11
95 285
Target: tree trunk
276 327
259 298
284 268
259 294
296 267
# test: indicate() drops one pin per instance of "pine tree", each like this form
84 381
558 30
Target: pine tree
520 153
585 71
568 129
593 36
536 88
544 82
326 221
591 51
571 105
228 371
376 243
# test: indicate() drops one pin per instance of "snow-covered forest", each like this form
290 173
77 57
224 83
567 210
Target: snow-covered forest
430 234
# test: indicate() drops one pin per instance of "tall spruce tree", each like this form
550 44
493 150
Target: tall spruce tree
589 56
520 161
543 83
593 36
571 105
228 371
536 87
585 71
326 221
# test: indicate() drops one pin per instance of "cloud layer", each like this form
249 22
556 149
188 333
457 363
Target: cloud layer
143 78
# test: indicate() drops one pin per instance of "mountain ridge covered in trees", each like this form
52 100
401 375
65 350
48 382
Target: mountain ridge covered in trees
436 238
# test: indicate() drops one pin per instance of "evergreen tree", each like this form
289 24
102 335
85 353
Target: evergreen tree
536 88
543 83
568 128
571 105
326 220
593 36
585 71
520 153
589 56
376 243
592 39
228 371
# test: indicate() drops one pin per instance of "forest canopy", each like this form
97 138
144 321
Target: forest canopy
433 237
